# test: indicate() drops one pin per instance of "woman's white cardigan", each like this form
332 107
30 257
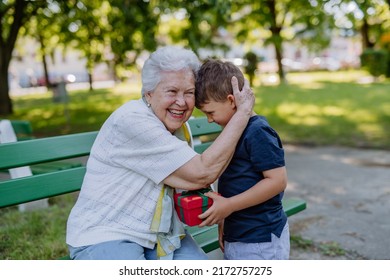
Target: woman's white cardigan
132 154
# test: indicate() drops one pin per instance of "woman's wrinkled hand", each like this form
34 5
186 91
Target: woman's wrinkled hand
245 99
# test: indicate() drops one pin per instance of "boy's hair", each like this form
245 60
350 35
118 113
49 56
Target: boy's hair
213 81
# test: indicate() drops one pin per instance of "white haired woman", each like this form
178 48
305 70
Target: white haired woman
137 159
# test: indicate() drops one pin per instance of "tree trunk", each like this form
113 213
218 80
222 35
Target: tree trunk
90 80
90 66
251 78
5 100
276 39
279 56
7 44
48 83
367 44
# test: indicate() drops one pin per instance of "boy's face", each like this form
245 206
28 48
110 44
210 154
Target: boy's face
219 112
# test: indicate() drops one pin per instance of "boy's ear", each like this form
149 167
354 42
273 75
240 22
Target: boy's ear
232 100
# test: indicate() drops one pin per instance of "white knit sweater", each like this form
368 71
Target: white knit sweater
132 154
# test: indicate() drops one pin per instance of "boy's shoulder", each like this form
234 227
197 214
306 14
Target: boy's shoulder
258 126
258 121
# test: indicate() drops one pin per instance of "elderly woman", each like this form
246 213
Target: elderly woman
138 159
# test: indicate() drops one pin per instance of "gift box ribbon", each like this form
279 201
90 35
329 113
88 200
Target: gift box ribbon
200 193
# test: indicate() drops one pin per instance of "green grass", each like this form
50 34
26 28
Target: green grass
35 235
86 111
328 109
313 109
329 250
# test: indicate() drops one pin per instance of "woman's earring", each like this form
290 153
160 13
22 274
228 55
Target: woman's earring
148 105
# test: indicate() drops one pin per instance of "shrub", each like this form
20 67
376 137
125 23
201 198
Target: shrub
251 60
375 61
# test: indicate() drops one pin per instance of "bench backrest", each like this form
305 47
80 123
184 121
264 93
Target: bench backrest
203 133
35 151
24 153
22 129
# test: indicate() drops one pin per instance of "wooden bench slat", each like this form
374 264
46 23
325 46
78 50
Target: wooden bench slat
47 167
207 237
45 149
203 133
293 205
26 189
200 148
200 127
23 129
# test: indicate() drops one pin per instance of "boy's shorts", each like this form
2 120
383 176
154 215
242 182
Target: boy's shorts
277 249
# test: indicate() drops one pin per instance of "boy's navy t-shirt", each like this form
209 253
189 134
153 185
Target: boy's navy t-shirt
259 149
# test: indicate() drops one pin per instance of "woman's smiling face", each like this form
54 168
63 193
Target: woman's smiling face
173 99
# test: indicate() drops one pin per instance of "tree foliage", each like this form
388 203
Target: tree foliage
370 18
132 29
119 31
282 20
195 24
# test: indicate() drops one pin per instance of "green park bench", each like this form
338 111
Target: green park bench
23 131
58 182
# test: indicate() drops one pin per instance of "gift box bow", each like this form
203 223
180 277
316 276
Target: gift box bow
200 193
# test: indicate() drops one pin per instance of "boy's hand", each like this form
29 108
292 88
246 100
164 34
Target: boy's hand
245 98
217 212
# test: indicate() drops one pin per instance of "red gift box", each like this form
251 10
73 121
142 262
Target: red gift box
190 204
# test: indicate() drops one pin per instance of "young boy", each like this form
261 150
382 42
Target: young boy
252 223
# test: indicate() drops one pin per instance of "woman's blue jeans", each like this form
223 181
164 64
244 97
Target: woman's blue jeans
127 250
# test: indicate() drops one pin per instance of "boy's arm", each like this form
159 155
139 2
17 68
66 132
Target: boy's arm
274 182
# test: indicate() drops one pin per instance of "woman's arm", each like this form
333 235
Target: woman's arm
204 169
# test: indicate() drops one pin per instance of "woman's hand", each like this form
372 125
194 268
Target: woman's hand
217 212
245 98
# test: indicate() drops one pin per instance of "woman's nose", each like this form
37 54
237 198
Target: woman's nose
180 100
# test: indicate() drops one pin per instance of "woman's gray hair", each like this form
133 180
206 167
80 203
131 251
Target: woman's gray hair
169 58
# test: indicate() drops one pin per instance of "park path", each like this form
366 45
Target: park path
348 199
